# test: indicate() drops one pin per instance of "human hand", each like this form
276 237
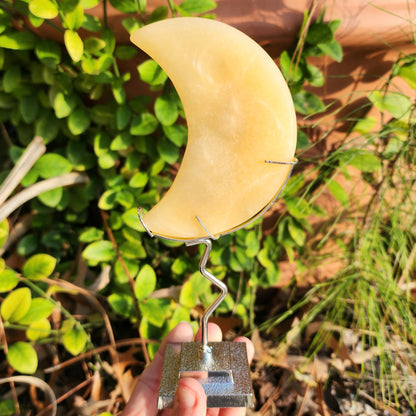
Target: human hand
190 398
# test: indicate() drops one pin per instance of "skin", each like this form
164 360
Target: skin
190 399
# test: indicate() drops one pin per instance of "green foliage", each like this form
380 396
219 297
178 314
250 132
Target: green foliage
73 94
314 40
22 357
374 239
76 95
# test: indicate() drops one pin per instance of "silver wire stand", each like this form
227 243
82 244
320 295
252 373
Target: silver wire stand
221 367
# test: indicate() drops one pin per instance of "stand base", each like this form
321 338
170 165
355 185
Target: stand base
224 375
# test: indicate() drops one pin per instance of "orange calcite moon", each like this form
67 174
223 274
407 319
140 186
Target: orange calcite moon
240 114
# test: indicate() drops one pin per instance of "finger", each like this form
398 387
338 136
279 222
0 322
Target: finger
190 398
214 333
143 401
249 347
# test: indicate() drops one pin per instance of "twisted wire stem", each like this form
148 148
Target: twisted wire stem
205 349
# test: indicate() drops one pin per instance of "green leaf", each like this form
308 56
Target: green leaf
29 108
75 340
48 52
290 70
297 207
168 151
47 126
177 134
79 156
91 234
197 6
151 73
316 77
123 116
155 310
125 198
143 124
408 73
365 125
102 141
7 407
93 44
78 121
138 180
125 52
16 304
18 41
73 19
125 269
131 24
63 104
332 49
107 200
334 25
40 308
338 192
302 140
364 161
51 165
46 9
159 13
89 4
188 296
99 251
308 103
397 104
108 160
9 279
74 45
39 266
252 244
119 93
22 357
319 33
92 23
38 329
110 40
166 110
125 6
12 78
52 198
121 304
4 231
145 282
131 219
179 266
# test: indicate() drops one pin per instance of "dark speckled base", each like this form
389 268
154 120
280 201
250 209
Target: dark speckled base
225 377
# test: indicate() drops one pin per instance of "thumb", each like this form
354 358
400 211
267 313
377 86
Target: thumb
190 398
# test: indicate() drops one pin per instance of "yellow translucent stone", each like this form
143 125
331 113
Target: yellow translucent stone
239 113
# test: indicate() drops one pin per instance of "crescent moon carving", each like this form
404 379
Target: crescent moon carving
241 127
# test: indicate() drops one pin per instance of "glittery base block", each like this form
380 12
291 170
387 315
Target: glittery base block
225 377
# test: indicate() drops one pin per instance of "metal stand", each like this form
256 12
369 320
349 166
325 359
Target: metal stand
221 367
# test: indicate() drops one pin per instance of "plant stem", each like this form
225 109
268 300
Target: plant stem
105 14
32 153
38 188
172 8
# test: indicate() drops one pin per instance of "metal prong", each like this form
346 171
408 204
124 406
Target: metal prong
205 228
140 213
293 162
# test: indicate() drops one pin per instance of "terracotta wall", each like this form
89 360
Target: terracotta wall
372 34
